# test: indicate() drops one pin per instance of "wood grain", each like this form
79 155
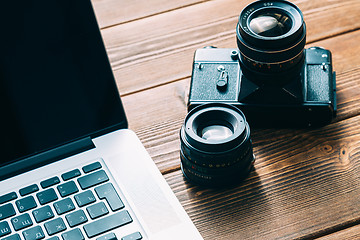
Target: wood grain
114 12
348 233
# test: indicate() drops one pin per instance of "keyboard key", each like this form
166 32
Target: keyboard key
84 198
21 222
64 206
12 237
47 196
93 179
7 211
34 233
29 189
109 236
50 182
133 236
74 234
8 197
67 189
71 174
91 167
54 238
108 192
25 204
55 226
43 214
76 218
107 223
97 210
4 229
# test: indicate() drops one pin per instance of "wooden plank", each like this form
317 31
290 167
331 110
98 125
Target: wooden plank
349 233
348 90
158 124
164 53
113 12
292 194
157 114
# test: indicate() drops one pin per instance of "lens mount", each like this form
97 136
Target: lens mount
271 36
215 144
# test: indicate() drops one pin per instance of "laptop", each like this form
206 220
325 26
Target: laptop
70 168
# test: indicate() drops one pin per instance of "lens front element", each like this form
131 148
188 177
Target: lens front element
216 133
271 24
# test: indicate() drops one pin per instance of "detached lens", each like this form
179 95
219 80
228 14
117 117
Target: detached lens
216 147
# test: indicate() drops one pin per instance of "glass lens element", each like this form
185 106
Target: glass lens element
271 24
216 133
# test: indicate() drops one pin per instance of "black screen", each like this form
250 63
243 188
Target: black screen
56 82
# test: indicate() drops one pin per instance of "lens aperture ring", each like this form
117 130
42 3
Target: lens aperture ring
226 178
220 168
271 67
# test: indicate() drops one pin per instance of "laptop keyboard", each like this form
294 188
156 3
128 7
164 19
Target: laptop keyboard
62 208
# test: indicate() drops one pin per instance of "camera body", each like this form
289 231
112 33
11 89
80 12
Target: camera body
307 97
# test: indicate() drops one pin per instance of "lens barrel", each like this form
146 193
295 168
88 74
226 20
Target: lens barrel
271 38
216 148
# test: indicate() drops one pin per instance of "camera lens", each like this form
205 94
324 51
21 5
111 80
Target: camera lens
271 38
216 147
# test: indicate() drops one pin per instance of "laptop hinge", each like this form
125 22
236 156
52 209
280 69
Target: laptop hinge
46 157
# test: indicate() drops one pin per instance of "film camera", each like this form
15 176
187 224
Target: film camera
269 80
270 77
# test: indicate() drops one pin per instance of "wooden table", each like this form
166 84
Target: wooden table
306 182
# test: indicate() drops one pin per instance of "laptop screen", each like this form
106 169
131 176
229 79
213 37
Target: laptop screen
56 83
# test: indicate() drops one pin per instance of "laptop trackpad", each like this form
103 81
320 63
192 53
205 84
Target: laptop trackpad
146 188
